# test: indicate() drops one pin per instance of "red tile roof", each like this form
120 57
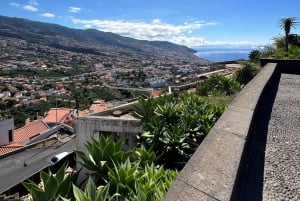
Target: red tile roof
61 115
98 107
156 92
30 130
9 148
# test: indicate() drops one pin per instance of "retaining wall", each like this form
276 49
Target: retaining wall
214 169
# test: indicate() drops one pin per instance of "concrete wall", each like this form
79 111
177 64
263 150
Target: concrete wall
90 126
286 66
5 126
214 169
103 123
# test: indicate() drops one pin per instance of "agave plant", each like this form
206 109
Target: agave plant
102 154
92 193
218 85
176 128
144 109
144 156
132 182
123 177
53 185
153 184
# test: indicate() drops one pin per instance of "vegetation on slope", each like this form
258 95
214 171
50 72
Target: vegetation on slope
283 47
88 41
174 127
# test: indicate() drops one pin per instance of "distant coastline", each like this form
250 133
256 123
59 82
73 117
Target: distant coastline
222 54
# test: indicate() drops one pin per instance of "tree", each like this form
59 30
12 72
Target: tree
286 24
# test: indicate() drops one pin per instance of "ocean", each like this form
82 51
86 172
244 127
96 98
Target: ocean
223 54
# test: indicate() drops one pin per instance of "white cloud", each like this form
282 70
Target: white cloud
199 41
33 2
14 4
30 8
48 15
155 30
73 9
159 30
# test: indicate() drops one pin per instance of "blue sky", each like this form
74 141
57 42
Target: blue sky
188 22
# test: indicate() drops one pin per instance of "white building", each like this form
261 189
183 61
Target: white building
6 131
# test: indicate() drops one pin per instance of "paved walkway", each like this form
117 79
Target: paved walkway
271 170
281 179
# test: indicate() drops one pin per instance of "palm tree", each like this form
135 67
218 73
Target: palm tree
286 24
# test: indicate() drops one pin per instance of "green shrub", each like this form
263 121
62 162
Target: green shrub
92 193
218 85
254 55
132 182
177 126
53 185
246 72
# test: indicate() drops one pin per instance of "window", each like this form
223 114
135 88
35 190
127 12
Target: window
10 136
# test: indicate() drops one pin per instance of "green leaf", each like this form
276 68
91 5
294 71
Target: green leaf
38 195
51 188
30 186
44 177
60 174
65 186
90 189
119 145
79 194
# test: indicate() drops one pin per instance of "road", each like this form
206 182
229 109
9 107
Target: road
13 171
131 89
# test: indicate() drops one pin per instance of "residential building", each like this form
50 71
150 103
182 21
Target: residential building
59 116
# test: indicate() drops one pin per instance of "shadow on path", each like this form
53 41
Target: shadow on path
249 186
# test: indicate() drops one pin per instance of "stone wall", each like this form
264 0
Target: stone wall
214 169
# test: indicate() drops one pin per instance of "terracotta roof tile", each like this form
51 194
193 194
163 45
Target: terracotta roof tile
30 130
9 148
98 107
61 115
156 92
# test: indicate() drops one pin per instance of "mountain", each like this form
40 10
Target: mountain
90 41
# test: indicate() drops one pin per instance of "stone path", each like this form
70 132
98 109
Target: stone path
282 155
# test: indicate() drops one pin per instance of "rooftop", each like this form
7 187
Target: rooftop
30 130
60 115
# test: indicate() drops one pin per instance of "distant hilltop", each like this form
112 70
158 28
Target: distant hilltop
90 41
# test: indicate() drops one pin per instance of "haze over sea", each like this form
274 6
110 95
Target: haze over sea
217 54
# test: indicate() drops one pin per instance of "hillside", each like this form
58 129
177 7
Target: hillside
89 41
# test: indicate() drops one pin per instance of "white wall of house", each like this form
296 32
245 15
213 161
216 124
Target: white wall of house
6 131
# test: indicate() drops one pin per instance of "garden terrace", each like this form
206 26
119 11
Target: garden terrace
251 153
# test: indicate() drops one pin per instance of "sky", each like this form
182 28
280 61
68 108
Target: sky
222 23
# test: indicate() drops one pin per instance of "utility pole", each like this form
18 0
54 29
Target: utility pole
56 107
